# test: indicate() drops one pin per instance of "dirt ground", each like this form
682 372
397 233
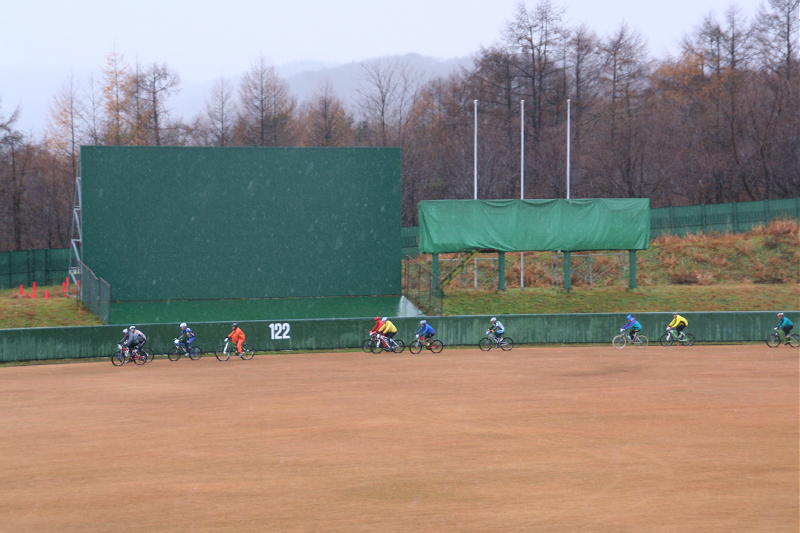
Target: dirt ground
536 439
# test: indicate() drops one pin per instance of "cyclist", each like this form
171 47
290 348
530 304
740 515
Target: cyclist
786 325
186 337
377 326
388 330
425 332
237 337
135 339
678 323
633 325
496 329
124 336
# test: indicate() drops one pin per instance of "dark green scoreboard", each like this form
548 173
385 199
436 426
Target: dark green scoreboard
163 223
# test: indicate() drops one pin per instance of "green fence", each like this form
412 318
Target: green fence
723 218
45 267
84 342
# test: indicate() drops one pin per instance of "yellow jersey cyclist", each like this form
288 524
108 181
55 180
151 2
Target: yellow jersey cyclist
678 323
388 330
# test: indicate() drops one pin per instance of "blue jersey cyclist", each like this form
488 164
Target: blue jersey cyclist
185 338
786 325
632 325
425 332
496 329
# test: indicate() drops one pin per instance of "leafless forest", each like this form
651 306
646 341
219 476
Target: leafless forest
718 123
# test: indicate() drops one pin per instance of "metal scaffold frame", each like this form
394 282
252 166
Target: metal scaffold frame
76 237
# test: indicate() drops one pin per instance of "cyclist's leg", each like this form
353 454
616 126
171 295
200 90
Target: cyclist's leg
390 339
680 329
786 330
239 344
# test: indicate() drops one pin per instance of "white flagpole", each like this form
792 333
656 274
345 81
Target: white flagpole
522 181
475 183
568 144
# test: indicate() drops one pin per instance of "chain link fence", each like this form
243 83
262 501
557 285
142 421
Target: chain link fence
418 287
95 293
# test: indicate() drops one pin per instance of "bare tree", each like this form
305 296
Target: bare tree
116 95
266 108
63 135
324 120
385 97
155 85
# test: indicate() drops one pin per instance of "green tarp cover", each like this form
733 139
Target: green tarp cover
534 225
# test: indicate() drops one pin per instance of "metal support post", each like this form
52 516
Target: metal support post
567 271
501 271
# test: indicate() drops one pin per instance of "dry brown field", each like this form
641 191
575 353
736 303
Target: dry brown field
536 439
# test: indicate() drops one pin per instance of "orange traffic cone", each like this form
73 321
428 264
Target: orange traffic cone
47 294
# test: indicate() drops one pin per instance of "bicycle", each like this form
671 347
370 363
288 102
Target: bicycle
180 350
228 348
434 345
382 344
623 339
487 343
369 343
670 337
777 337
124 355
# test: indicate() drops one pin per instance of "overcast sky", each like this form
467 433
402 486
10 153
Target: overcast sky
204 39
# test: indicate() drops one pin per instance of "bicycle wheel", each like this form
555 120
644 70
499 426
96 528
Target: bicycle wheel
175 355
666 339
436 346
773 340
247 352
377 347
619 342
794 340
506 344
118 359
688 339
415 347
366 346
195 353
222 353
485 344
640 341
140 357
399 346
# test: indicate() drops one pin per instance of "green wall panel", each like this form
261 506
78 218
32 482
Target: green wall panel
242 222
77 342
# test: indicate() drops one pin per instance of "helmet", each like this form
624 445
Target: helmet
235 325
183 325
493 319
384 319
629 317
422 322
132 328
377 319
674 313
125 331
780 314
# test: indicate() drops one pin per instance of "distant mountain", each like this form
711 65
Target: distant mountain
33 89
348 78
